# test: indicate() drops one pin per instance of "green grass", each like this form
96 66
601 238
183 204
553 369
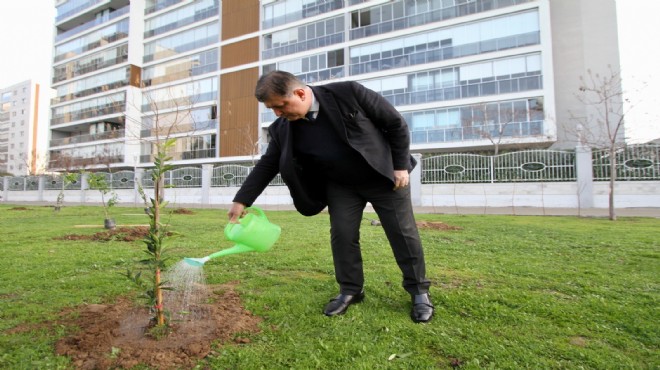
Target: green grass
510 291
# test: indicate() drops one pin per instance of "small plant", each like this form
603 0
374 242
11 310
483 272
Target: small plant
109 198
153 288
68 178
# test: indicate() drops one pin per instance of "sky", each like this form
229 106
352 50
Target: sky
26 37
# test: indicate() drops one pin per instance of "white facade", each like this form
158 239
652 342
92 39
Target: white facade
477 75
19 129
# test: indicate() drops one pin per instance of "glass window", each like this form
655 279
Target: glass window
182 42
287 11
192 65
92 85
91 41
183 95
436 45
195 12
305 37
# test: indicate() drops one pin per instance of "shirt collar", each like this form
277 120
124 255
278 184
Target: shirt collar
315 104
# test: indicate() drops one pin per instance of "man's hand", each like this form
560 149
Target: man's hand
236 211
401 179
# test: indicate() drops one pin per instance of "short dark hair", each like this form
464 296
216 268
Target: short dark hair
276 83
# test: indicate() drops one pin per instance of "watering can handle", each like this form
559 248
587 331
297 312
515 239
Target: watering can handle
259 211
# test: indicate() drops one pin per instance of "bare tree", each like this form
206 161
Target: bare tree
494 122
602 124
250 143
35 163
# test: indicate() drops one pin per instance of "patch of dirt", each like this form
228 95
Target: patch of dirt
108 336
122 234
436 225
183 211
579 341
19 209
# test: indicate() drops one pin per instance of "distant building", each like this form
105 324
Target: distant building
466 74
19 126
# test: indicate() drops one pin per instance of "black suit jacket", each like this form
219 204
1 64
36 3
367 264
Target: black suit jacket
363 119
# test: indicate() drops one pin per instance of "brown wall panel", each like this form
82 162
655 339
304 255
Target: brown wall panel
239 17
239 120
136 76
239 53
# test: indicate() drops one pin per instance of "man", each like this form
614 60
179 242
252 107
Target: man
342 145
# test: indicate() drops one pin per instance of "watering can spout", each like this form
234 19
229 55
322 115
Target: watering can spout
253 233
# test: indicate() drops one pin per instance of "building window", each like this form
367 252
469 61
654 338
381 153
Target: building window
92 41
476 122
481 37
305 37
501 76
286 11
181 17
314 68
192 65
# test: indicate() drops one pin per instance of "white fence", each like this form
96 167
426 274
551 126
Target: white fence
542 178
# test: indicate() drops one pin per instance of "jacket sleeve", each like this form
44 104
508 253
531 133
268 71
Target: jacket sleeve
389 121
262 174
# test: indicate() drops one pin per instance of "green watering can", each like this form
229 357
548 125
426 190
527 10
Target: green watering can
253 233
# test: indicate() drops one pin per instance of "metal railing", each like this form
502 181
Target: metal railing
115 134
634 163
639 162
184 177
523 166
90 24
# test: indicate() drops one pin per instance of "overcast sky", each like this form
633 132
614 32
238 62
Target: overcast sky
26 36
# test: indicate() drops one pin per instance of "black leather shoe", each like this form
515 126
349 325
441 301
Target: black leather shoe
339 304
422 309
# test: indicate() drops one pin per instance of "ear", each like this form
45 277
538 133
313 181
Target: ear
300 93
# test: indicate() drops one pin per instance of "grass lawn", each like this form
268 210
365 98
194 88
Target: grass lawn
510 291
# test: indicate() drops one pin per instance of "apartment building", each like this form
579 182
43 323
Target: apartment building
19 124
466 74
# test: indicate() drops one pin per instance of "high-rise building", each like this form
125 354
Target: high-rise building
466 74
19 129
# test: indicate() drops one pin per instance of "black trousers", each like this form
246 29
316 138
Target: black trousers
346 205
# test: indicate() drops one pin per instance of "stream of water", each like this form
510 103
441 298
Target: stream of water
189 291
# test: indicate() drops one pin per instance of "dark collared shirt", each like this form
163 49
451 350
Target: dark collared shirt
319 149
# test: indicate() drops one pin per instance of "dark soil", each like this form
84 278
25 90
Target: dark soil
183 211
19 209
123 234
436 225
108 336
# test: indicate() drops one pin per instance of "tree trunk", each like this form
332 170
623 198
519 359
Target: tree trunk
160 313
158 195
612 182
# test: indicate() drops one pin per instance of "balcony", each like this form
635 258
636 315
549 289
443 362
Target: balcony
67 162
179 156
76 10
116 134
160 5
91 24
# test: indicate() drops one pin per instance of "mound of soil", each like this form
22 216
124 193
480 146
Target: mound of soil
115 335
436 225
122 234
183 211
19 209
127 234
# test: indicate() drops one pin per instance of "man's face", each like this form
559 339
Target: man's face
291 107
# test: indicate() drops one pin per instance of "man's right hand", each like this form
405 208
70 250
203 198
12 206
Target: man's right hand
236 211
